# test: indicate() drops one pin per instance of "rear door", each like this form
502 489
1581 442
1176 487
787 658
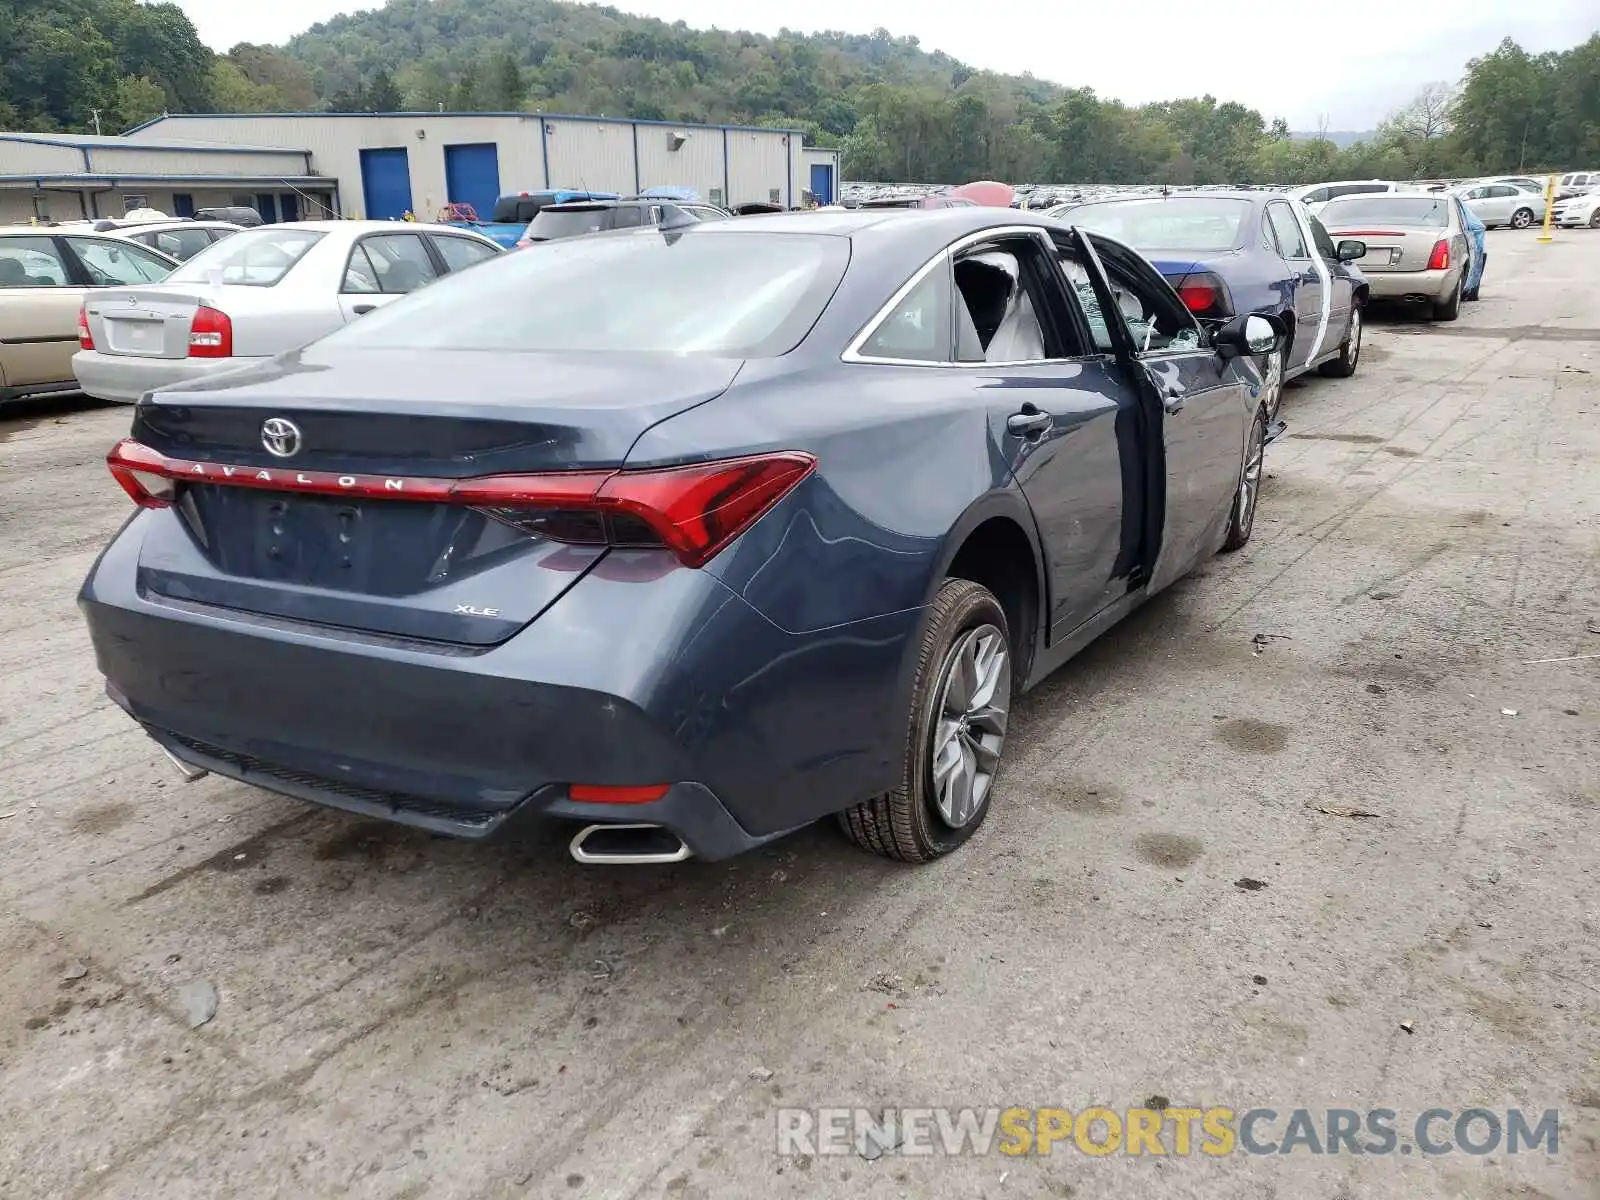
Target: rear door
1340 285
1307 281
39 304
382 268
1202 413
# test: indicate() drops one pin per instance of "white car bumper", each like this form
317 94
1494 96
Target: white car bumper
126 377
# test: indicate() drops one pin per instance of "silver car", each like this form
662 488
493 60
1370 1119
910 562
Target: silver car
1417 248
179 239
257 294
1503 204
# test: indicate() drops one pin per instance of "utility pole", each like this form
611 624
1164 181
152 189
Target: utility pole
95 114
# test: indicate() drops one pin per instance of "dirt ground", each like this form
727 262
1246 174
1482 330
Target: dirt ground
400 1016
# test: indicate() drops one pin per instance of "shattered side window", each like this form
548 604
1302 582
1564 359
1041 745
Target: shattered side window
1078 276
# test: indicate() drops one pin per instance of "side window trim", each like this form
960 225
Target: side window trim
1284 206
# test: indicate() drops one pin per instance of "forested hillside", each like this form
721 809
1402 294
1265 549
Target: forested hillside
899 111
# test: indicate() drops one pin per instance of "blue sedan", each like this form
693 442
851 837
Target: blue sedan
1241 252
710 532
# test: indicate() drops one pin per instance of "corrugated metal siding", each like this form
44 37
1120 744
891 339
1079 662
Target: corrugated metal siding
758 163
591 154
697 163
136 160
24 158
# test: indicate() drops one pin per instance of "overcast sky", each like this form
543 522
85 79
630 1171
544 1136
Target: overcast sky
1347 63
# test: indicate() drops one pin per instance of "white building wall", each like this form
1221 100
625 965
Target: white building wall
28 157
596 155
758 165
135 160
696 163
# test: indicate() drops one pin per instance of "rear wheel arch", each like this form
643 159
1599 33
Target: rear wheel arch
995 543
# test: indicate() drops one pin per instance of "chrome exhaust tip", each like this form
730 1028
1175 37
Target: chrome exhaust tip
189 771
627 845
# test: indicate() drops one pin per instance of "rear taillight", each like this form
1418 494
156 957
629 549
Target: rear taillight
693 511
210 334
85 338
1204 294
1439 260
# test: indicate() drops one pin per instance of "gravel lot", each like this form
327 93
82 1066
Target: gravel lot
407 1017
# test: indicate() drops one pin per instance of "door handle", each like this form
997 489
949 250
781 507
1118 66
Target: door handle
1030 422
1172 398
362 310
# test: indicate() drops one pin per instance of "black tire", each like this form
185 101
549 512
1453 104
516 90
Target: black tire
1594 221
1522 218
1273 400
1242 520
1349 350
907 823
1451 308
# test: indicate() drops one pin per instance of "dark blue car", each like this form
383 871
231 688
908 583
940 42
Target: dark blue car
1242 252
709 532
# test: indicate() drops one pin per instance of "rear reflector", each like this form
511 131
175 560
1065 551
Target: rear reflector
210 334
587 793
85 338
694 510
1439 260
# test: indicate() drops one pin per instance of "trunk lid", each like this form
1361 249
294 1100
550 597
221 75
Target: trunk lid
1394 247
146 322
403 567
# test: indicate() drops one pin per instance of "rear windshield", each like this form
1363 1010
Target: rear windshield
1430 211
554 223
252 258
1197 223
694 291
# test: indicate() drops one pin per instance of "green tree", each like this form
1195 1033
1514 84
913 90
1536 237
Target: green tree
382 95
136 100
505 85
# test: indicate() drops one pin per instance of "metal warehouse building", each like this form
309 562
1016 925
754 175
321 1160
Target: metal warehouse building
66 177
383 165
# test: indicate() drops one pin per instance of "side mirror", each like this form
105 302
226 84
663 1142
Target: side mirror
1250 334
1350 249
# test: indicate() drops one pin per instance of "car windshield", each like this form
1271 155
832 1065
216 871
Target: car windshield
1195 223
552 223
1432 212
253 258
694 291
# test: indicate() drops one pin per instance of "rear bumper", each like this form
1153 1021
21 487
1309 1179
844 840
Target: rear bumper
674 680
126 377
1406 285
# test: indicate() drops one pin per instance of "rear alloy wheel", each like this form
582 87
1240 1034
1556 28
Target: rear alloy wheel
1594 221
1522 218
961 703
1271 394
1349 350
1243 518
1451 308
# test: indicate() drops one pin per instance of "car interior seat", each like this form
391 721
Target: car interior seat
12 273
403 276
1016 336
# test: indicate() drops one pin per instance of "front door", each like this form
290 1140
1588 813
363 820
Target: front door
1204 415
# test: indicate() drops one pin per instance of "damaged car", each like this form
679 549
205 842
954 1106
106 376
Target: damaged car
712 532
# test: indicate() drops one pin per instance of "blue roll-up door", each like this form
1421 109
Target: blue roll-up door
386 183
267 206
822 182
182 204
472 176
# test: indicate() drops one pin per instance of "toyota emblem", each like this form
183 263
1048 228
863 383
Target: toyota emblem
281 437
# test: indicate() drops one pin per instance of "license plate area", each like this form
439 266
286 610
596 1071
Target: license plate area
135 335
374 547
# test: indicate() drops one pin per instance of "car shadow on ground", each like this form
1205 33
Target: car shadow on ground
30 411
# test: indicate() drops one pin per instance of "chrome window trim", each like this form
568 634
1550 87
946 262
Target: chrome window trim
852 352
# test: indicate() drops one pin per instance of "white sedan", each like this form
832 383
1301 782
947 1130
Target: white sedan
257 294
1582 209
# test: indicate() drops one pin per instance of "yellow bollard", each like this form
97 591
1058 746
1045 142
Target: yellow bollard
1549 206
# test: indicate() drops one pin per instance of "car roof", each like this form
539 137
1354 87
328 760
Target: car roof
1214 194
356 228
